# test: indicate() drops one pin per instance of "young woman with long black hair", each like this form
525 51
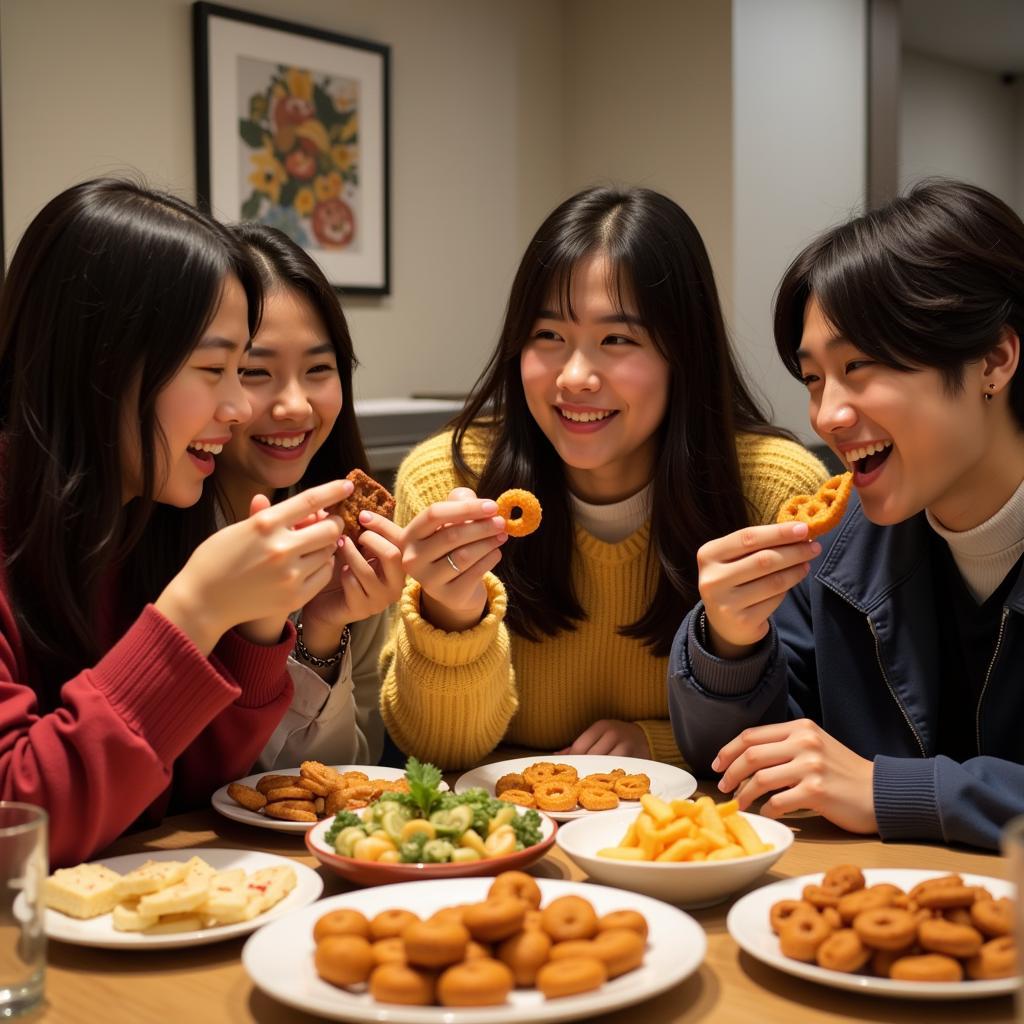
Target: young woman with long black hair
303 431
613 396
878 677
140 665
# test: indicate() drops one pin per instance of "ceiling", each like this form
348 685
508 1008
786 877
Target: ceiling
983 34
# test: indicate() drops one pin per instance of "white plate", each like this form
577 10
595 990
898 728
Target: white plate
748 925
279 958
100 931
666 781
226 806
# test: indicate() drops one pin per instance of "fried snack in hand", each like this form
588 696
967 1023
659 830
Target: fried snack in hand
368 495
821 511
529 511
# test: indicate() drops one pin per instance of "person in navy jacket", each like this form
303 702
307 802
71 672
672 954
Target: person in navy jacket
877 677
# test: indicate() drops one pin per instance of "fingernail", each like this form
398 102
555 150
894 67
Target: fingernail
815 548
365 516
498 522
489 507
714 764
799 530
722 786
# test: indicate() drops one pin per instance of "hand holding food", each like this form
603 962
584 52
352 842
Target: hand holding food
161 897
744 577
367 496
259 569
475 954
805 768
520 510
448 548
821 511
687 830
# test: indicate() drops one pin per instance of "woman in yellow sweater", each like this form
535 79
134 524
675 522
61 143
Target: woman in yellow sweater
614 397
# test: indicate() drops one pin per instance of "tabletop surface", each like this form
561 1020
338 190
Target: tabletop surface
208 983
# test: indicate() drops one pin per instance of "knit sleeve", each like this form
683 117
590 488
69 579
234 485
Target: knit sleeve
445 697
773 469
662 741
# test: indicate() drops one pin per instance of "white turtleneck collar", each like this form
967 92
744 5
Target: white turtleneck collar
615 522
986 553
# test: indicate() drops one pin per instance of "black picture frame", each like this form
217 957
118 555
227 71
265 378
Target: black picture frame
293 129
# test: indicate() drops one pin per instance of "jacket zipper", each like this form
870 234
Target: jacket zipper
885 678
988 675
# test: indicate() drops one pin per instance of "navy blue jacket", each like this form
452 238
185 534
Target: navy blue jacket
855 648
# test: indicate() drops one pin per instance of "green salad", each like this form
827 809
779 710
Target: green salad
428 826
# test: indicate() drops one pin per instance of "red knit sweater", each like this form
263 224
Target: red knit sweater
152 719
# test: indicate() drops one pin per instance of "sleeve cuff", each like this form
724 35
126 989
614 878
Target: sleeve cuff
721 677
453 649
662 741
905 799
259 671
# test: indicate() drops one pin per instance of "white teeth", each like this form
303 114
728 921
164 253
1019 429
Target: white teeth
202 446
585 417
856 454
281 442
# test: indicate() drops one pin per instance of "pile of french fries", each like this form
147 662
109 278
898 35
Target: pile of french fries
687 830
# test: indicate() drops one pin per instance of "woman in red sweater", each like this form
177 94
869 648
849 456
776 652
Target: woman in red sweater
139 669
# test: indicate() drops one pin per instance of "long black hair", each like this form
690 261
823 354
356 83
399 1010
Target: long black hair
659 260
284 265
108 292
929 279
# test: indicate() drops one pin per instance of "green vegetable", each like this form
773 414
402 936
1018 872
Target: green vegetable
437 851
343 819
392 820
452 822
411 851
527 828
482 804
347 839
424 780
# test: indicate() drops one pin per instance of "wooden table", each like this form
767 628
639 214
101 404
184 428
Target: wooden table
208 984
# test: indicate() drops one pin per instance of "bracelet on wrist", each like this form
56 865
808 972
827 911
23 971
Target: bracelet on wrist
305 654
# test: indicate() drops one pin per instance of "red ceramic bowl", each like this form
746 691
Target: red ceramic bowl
368 872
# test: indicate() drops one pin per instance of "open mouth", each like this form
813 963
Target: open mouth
280 444
865 461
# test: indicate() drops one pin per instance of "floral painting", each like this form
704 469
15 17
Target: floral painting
299 153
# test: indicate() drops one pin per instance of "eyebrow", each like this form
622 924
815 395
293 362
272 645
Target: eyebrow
834 342
218 342
324 348
613 318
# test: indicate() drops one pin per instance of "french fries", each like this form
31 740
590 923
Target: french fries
686 830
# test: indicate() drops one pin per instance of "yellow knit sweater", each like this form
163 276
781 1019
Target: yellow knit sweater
450 698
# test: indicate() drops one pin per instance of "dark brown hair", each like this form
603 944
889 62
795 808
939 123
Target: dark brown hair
929 279
659 260
109 291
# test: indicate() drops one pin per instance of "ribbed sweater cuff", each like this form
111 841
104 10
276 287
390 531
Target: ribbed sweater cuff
722 677
258 670
905 800
161 684
453 649
662 741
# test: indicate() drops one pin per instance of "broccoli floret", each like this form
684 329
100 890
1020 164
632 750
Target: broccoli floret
411 851
343 819
527 828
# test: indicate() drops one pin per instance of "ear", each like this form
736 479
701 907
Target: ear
1000 363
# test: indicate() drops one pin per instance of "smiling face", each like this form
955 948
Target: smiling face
290 376
911 442
597 387
196 410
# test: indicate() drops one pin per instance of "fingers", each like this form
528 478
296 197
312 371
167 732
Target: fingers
442 513
385 528
258 504
789 561
461 494
323 534
767 780
586 739
750 539
748 738
297 508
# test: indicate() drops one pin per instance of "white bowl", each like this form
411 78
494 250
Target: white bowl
697 884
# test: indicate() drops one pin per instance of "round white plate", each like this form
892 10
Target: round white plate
748 925
279 958
666 781
100 931
226 806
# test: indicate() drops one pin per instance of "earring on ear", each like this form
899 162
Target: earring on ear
988 394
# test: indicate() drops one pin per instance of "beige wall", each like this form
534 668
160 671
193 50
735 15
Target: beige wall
499 110
649 102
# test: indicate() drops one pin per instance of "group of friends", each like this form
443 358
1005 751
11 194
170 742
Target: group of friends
177 605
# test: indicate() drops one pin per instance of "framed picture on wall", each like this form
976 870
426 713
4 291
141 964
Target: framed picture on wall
292 131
